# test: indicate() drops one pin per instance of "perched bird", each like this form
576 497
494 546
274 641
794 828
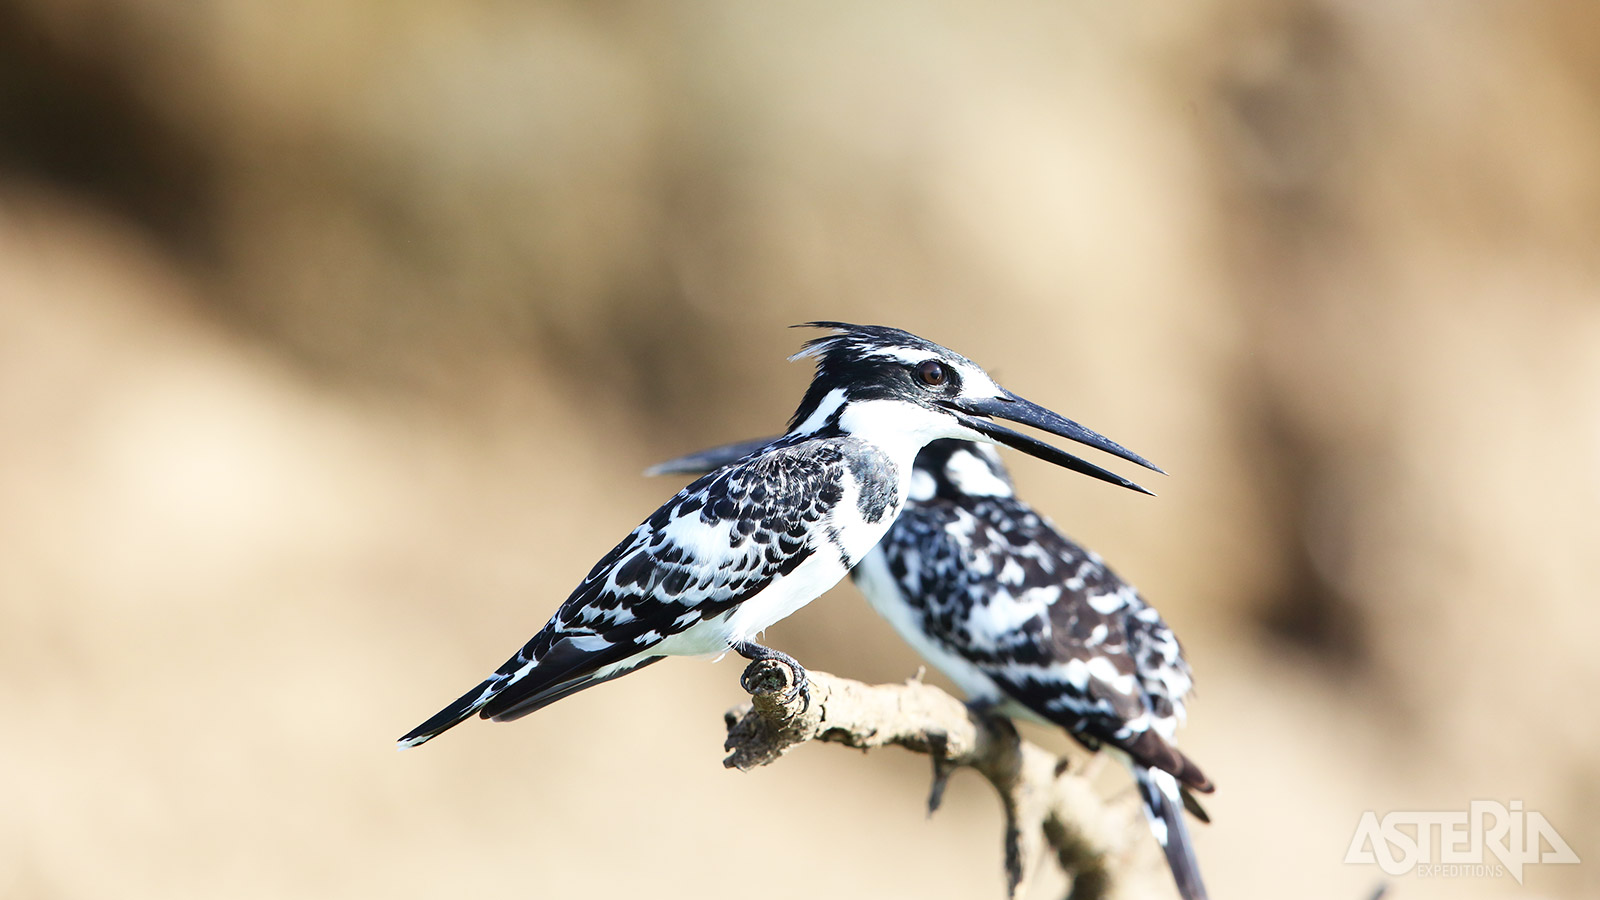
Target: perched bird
752 542
1029 623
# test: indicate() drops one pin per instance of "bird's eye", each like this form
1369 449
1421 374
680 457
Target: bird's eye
933 373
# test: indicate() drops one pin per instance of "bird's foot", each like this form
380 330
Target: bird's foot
938 750
987 711
766 674
984 707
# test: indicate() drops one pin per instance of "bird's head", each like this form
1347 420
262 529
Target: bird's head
898 390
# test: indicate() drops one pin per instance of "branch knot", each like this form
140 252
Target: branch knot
1044 804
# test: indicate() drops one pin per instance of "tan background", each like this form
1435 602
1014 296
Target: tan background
333 336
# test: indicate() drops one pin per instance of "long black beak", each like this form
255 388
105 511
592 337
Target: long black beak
1016 409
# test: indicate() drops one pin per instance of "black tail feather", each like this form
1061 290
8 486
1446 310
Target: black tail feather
563 669
451 715
1163 803
507 708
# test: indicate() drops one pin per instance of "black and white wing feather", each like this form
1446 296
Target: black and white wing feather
1044 623
1021 616
1026 620
671 586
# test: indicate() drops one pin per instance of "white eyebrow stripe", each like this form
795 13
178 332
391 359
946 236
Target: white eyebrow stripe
975 381
904 354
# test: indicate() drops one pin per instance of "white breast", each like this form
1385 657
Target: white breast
843 531
883 593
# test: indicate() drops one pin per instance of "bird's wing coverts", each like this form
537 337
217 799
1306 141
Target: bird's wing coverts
1054 628
718 542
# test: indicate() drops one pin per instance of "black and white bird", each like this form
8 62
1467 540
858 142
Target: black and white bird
752 542
1029 623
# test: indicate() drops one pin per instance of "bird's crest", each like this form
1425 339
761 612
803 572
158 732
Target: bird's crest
856 356
856 341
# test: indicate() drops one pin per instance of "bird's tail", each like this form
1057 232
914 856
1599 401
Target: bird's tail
455 713
1163 804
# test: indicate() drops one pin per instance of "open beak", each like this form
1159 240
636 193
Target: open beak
976 415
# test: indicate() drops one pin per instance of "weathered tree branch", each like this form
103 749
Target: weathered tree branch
1045 806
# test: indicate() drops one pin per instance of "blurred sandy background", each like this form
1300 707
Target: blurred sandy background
333 336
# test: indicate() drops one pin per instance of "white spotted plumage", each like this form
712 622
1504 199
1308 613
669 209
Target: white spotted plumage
1031 624
1021 617
750 543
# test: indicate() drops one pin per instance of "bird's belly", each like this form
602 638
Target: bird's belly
883 593
808 581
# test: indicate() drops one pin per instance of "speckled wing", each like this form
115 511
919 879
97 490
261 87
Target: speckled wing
718 542
1052 627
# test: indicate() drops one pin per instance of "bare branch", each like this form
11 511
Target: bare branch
1046 807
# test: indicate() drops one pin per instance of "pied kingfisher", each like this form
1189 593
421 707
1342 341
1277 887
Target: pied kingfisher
1028 623
752 542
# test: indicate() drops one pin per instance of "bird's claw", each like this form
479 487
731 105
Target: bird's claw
764 675
767 675
754 675
801 688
